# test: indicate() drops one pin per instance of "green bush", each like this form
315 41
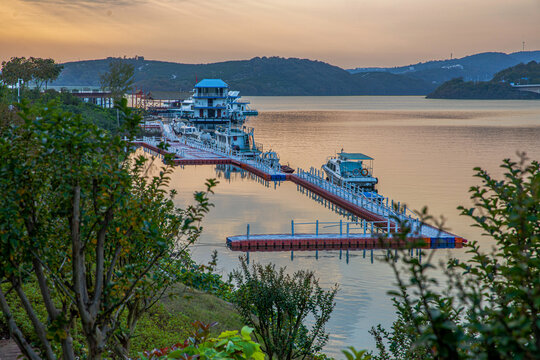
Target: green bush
229 345
277 305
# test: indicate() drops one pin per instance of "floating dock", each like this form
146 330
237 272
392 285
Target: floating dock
362 234
286 242
382 213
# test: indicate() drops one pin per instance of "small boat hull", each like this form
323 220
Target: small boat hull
287 169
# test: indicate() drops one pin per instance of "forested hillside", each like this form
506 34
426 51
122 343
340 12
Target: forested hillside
258 76
477 67
498 88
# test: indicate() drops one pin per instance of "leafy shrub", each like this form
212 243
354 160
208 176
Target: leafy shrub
277 306
204 277
490 305
231 345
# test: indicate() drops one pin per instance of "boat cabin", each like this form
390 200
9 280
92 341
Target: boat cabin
351 170
352 165
235 139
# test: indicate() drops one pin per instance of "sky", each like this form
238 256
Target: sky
346 33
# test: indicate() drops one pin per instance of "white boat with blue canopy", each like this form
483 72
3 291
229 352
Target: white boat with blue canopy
351 170
238 141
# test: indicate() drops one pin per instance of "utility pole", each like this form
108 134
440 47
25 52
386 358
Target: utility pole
19 82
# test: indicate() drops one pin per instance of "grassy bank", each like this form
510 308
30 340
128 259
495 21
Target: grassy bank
166 324
169 322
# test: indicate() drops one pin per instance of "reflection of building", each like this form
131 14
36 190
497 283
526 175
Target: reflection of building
96 97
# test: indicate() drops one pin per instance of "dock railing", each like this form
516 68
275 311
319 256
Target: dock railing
346 228
373 202
170 138
362 227
254 161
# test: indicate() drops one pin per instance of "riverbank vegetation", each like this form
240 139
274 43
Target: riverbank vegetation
93 251
488 307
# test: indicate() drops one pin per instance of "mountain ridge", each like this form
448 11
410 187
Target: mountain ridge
257 76
294 76
476 67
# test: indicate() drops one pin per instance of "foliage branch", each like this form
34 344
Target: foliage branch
489 307
81 216
277 305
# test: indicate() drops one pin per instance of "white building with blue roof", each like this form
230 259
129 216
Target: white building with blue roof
213 104
210 99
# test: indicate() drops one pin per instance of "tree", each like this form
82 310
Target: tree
81 218
37 69
119 79
45 70
490 305
17 68
277 304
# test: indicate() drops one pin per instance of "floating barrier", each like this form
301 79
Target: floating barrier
284 242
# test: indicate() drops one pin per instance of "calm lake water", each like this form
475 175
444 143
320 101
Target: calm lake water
424 153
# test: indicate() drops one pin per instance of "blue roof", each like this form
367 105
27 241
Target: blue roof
354 156
211 83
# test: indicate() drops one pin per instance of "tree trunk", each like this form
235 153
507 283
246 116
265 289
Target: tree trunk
15 332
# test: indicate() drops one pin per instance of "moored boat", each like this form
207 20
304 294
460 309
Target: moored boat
237 140
271 159
352 170
287 169
182 129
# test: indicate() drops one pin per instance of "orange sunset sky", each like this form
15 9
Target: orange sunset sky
346 33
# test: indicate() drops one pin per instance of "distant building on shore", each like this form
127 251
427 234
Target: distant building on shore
96 97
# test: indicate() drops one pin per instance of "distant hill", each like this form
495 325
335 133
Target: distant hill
258 76
497 88
520 74
478 67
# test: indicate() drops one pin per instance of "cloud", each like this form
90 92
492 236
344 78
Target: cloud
86 3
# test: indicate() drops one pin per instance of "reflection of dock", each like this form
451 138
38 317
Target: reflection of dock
382 212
